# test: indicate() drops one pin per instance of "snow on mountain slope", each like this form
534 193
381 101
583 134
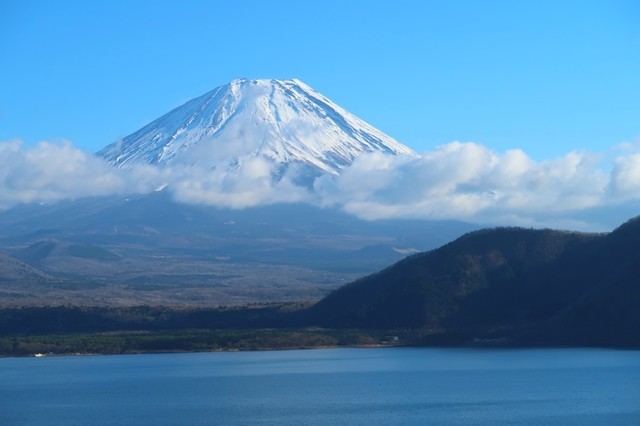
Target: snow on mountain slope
284 121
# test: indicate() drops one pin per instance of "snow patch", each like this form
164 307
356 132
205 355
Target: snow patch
284 121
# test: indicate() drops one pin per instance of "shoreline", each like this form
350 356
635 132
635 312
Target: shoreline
319 347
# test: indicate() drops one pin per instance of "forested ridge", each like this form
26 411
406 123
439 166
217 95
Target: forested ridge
498 287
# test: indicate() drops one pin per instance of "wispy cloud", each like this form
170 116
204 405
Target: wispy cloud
465 181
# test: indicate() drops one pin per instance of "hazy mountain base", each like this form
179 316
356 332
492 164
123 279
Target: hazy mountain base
208 285
499 287
151 250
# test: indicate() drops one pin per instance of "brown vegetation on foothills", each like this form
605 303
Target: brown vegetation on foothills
498 287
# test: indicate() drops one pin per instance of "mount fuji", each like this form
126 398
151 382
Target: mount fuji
256 142
283 121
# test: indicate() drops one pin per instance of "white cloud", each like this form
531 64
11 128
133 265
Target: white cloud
465 181
49 172
249 184
468 181
625 176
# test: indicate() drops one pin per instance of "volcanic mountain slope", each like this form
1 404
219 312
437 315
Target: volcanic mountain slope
147 240
284 121
152 245
508 284
21 283
12 270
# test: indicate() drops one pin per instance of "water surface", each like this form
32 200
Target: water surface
333 386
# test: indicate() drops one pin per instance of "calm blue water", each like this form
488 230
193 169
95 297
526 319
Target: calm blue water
334 386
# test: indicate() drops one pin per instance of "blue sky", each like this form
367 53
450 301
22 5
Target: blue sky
547 77
525 112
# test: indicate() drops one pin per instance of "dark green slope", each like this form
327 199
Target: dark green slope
517 285
607 312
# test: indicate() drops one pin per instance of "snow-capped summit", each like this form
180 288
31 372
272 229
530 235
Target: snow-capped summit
285 121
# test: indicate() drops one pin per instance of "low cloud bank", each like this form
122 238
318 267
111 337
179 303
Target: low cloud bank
49 172
464 181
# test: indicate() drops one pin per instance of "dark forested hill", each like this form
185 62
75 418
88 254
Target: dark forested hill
514 285
504 286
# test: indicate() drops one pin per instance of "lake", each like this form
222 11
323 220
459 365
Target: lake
332 386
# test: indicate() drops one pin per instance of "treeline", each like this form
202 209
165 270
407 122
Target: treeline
186 340
86 319
120 330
